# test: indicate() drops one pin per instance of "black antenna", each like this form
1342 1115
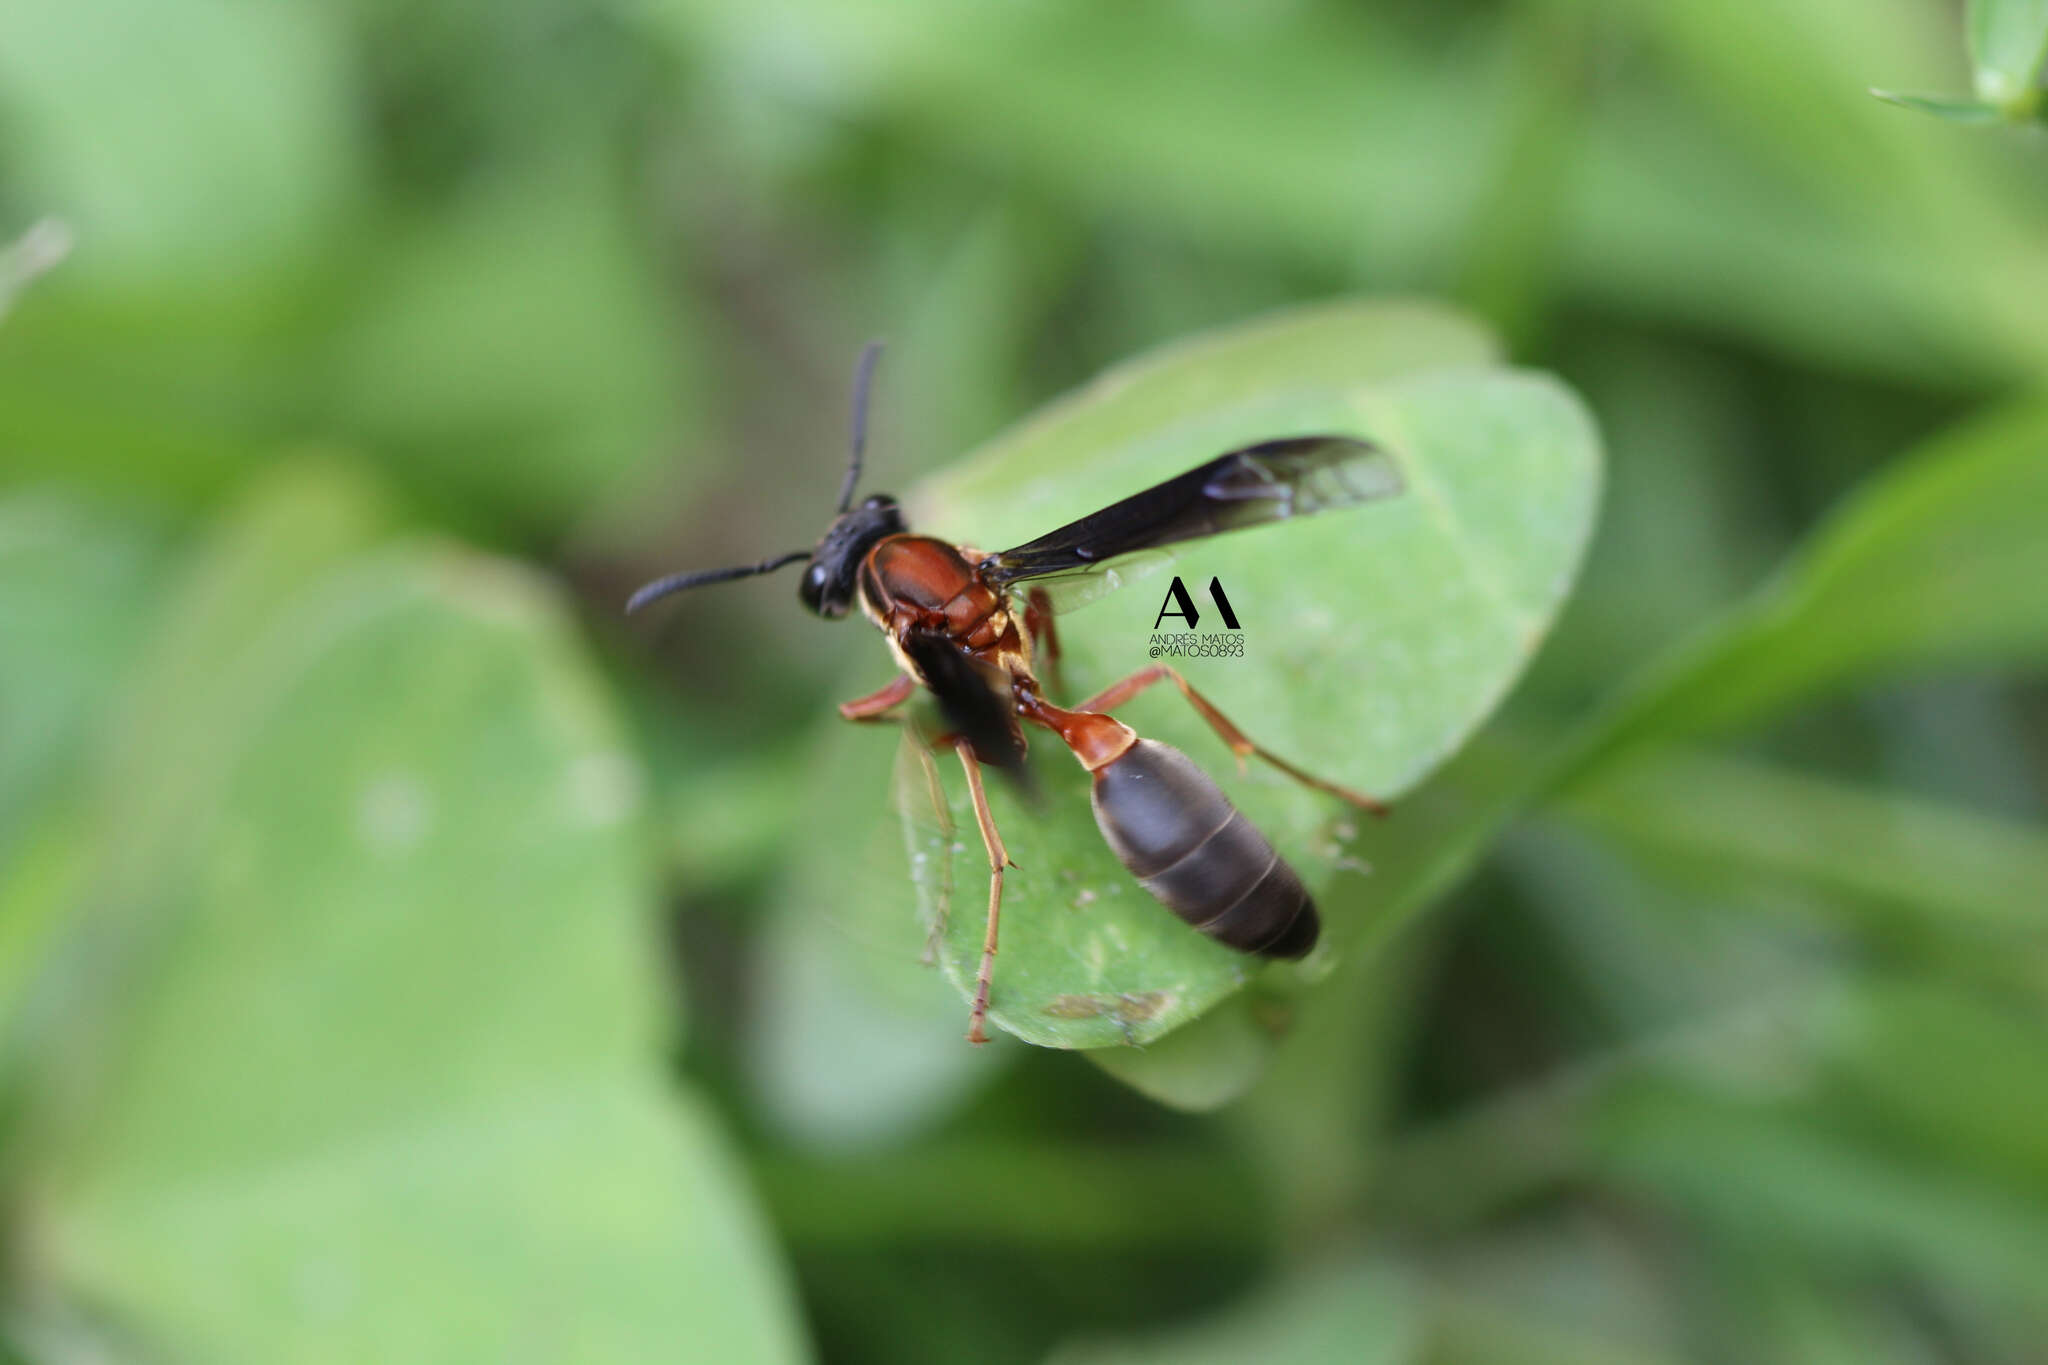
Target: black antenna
863 380
863 375
676 582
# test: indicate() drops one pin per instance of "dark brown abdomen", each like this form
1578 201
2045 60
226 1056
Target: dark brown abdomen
1186 844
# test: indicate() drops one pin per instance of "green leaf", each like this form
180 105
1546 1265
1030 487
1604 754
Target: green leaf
1374 640
1930 566
850 1044
75 587
1361 1313
1934 564
191 149
1964 877
1839 229
389 1084
1763 1178
508 346
1203 1065
1950 1070
1201 140
2008 42
1954 108
190 702
40 249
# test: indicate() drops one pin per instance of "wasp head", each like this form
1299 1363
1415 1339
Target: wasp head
830 582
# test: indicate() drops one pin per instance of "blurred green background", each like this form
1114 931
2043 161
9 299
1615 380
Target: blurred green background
405 958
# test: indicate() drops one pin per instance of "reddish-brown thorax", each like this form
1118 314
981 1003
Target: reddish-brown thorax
913 582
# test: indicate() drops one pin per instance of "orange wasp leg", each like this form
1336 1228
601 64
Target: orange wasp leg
1116 694
877 705
998 859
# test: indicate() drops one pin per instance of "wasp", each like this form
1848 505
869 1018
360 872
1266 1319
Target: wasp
967 626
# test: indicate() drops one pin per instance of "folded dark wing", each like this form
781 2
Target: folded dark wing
1271 481
975 699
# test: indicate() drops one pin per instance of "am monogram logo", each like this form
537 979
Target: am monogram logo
1177 597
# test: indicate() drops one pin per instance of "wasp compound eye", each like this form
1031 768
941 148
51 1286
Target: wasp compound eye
815 590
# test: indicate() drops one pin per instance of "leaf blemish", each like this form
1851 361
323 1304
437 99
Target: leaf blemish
394 813
1140 1006
604 788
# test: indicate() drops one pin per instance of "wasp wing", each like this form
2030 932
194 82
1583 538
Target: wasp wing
975 699
1271 481
1068 590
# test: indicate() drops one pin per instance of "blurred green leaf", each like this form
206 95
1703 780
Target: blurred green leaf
1555 1287
1843 237
1858 1130
1059 1199
1396 627
1202 1065
2008 42
1764 1178
76 585
851 1043
195 149
48 865
1774 1306
1954 108
1383 159
40 248
1965 878
1934 564
206 161
1930 565
508 344
1151 111
189 700
1923 1066
1316 1118
400 1030
1363 1313
1481 1163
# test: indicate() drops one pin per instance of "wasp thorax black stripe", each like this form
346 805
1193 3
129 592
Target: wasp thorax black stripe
1186 844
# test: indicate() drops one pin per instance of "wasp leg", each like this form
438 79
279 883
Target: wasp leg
1116 694
998 859
1044 637
877 705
